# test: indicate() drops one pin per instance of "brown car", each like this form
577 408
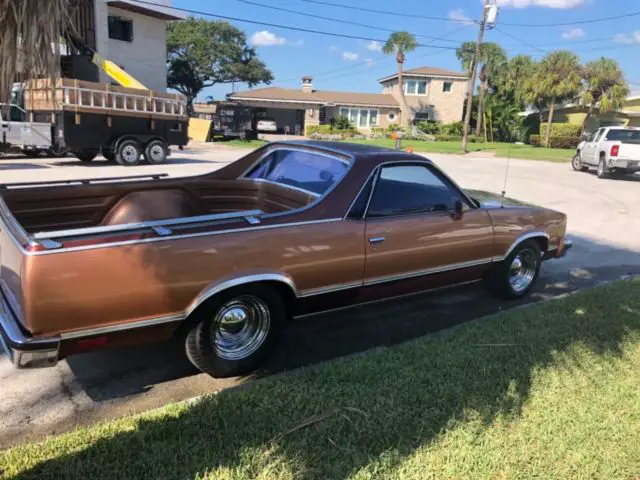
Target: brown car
227 258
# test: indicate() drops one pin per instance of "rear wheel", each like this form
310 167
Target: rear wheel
514 277
86 155
236 330
155 152
128 153
603 171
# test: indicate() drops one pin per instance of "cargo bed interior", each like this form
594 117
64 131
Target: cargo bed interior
58 208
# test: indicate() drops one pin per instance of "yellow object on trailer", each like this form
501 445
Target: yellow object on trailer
115 72
199 129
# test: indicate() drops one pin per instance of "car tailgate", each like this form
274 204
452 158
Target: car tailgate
629 151
11 261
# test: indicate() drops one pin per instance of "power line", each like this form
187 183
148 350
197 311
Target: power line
519 40
577 22
386 12
337 20
286 27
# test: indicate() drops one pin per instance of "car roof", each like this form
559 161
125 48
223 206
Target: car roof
355 150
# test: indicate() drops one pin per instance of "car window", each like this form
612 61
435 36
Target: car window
624 136
404 189
598 135
308 171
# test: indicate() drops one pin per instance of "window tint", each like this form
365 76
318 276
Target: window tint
411 188
306 170
624 136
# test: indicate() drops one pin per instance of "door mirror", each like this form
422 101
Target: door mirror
458 208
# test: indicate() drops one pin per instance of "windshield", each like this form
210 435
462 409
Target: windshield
312 172
624 136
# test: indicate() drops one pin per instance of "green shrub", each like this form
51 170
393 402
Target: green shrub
563 130
555 142
327 130
394 128
430 127
457 138
340 122
453 128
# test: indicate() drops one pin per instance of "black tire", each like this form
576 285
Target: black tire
57 152
502 280
128 153
86 155
576 163
211 356
109 155
32 153
603 171
155 152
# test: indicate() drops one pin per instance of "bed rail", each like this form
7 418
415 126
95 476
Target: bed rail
81 181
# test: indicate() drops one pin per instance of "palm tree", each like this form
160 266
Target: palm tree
560 80
29 29
605 89
513 76
400 43
491 60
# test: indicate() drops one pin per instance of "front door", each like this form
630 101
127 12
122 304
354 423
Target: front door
588 154
414 238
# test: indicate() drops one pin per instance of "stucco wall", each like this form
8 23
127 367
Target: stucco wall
441 106
145 57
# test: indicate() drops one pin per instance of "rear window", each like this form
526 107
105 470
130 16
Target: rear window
308 171
624 136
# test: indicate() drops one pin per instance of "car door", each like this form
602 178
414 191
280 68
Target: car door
588 153
415 238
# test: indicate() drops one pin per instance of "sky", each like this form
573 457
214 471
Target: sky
356 65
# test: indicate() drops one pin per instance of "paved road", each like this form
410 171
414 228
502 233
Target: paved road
603 220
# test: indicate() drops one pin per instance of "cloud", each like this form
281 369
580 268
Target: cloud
374 46
265 38
628 38
351 56
573 34
541 3
458 15
370 62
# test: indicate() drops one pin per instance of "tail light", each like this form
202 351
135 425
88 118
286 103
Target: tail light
615 150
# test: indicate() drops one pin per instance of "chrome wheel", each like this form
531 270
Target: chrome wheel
240 327
130 154
576 163
523 269
156 152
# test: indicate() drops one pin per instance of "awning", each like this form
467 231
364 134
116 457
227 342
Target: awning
163 13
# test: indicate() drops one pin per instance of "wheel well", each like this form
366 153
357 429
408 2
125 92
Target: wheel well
543 242
602 154
285 290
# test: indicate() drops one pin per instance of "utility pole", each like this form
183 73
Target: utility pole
472 81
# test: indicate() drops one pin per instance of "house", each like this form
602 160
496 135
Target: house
431 93
129 33
575 114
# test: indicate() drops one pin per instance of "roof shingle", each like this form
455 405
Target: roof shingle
318 96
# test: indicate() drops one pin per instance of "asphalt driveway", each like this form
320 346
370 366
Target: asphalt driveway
603 222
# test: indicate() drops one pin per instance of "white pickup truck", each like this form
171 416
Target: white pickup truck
16 133
611 151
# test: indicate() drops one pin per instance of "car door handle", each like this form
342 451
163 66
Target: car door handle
376 240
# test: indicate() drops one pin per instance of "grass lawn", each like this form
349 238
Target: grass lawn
501 149
548 392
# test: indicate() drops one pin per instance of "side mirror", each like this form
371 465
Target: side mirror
458 208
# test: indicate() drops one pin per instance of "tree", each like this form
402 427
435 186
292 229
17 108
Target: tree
28 30
202 53
560 80
490 62
512 77
401 43
605 87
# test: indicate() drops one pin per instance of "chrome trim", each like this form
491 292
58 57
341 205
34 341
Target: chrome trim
374 183
50 244
13 227
522 238
90 332
80 181
188 235
212 290
428 271
329 289
376 240
162 231
140 225
386 299
284 185
355 199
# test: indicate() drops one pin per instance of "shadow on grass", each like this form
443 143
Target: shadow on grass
405 397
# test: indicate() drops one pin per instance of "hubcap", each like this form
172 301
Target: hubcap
156 152
576 162
240 327
130 154
523 270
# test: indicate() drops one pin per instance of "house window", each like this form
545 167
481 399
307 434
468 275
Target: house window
447 87
415 87
391 116
120 29
360 117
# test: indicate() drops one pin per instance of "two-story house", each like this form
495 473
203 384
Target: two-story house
431 94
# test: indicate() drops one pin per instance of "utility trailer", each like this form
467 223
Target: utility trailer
124 124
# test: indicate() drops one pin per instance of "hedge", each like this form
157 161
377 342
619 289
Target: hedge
456 138
327 129
555 142
563 130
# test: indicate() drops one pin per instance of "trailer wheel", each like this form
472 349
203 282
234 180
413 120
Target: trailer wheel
155 152
86 155
128 153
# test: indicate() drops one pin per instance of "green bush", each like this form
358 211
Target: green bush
394 128
563 130
453 128
555 142
327 130
457 138
430 127
340 122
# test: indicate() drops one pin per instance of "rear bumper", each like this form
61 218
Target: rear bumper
559 251
25 351
624 164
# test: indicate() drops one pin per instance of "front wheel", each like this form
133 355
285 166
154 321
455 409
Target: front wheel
128 153
517 274
236 330
576 163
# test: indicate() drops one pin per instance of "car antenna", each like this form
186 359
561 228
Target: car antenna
506 176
